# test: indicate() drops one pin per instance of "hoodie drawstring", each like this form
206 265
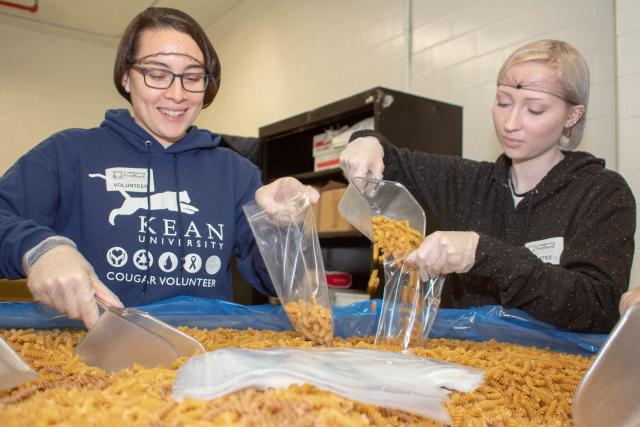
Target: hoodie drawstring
146 232
528 217
182 260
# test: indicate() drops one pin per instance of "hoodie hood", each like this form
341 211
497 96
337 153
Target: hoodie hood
120 122
573 166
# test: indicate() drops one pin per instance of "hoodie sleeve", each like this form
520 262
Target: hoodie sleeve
440 183
583 292
249 261
28 199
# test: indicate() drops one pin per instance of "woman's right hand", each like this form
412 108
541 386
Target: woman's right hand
363 158
629 298
63 279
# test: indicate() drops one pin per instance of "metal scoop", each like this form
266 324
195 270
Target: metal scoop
609 393
13 370
369 197
122 337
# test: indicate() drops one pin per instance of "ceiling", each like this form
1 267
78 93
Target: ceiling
100 21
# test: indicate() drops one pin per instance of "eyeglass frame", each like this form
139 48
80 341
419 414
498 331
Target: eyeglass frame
144 70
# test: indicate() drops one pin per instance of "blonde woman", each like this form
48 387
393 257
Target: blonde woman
543 228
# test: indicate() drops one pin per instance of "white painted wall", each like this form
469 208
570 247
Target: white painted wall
47 84
459 46
628 118
283 57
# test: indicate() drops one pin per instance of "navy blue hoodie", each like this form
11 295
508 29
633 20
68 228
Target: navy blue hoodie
94 186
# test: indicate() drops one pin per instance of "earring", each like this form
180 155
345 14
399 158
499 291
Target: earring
565 138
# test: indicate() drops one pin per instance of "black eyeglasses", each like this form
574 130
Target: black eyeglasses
158 78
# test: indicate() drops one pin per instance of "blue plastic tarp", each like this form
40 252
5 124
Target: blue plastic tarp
478 324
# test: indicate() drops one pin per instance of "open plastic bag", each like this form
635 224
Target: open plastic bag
409 305
288 242
400 381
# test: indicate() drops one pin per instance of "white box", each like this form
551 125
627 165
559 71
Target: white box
327 161
342 297
323 142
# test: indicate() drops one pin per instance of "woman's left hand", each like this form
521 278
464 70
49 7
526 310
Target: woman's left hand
444 252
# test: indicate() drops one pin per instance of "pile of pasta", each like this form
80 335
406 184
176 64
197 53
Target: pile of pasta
522 386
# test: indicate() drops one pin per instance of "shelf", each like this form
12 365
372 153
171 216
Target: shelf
319 174
343 239
334 234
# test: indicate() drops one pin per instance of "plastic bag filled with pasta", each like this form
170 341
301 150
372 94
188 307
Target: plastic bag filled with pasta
393 380
409 305
288 242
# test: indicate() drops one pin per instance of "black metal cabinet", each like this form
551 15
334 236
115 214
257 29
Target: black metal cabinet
407 120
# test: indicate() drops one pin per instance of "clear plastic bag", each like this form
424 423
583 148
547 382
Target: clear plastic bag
400 381
409 305
288 242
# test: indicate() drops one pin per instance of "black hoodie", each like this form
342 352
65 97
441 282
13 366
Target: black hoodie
579 205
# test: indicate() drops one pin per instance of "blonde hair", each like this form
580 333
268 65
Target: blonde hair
572 75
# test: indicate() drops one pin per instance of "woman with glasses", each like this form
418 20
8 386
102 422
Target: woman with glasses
144 207
543 228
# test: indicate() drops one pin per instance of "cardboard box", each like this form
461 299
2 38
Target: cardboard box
329 219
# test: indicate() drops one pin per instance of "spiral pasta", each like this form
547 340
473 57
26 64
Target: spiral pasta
522 386
312 320
391 239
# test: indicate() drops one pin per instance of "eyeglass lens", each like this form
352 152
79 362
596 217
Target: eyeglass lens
161 79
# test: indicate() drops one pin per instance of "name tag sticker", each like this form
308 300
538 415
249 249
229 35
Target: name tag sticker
128 179
548 250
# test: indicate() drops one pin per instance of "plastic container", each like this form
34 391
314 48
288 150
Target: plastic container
368 197
13 370
122 337
609 393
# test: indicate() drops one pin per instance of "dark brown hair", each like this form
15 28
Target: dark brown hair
158 18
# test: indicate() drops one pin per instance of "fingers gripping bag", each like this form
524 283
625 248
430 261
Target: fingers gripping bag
409 305
288 242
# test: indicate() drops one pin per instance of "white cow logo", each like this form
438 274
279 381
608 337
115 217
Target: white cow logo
158 201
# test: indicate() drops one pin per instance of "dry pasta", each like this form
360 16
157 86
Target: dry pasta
523 387
312 320
391 239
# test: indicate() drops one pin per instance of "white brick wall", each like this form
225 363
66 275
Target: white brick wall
283 57
458 60
628 120
48 84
